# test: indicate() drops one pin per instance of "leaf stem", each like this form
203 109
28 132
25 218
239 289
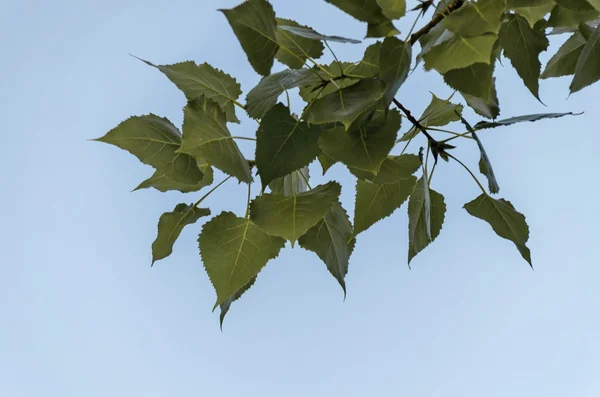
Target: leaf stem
413 26
305 179
212 190
469 171
335 57
244 138
248 202
431 174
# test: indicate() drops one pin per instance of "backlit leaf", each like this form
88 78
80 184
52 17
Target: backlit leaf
155 141
587 70
504 219
476 18
331 240
577 5
170 226
309 33
226 305
291 184
439 113
564 62
255 26
519 119
163 183
395 168
320 89
234 250
284 144
419 235
490 108
392 9
294 49
535 13
562 17
369 65
460 52
367 11
291 217
394 63
206 137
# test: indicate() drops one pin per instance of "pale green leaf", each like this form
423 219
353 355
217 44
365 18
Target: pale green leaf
255 26
284 144
331 239
394 63
437 35
393 9
562 17
577 5
163 183
309 33
564 62
170 226
595 4
226 305
419 234
294 49
523 44
519 119
291 217
504 219
291 184
365 148
155 141
367 11
195 80
264 96
587 70
347 104
439 113
460 52
369 65
206 137
234 250
490 108
533 14
476 18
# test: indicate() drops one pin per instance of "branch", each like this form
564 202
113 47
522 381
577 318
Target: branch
437 18
412 119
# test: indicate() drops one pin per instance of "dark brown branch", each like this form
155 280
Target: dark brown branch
437 18
412 119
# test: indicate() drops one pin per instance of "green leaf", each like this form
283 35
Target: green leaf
264 96
396 168
474 80
577 5
437 35
347 104
154 141
365 148
439 113
234 250
460 52
490 108
226 305
377 201
163 183
195 80
295 49
170 226
394 63
326 162
523 45
291 217
562 17
513 120
512 4
369 65
504 219
284 144
485 166
595 4
475 19
535 14
392 9
367 11
424 203
587 70
255 26
291 184
564 62
206 137
310 33
331 239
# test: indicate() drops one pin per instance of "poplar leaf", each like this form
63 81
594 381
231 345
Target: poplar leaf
476 18
394 63
163 183
460 52
226 305
295 49
587 70
564 62
419 210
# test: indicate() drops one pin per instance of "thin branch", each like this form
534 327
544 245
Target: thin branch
413 120
211 190
437 18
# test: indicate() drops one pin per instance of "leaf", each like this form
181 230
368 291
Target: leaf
154 141
577 5
392 9
504 219
474 19
562 17
419 235
255 26
367 11
264 96
513 120
291 184
460 52
485 166
396 168
474 80
291 217
439 113
369 65
377 201
195 80
326 162
310 33
587 70
206 137
365 148
331 239
512 4
523 45
284 144
234 250
226 305
564 62
295 49
170 226
394 63
163 183
535 14
489 109
347 104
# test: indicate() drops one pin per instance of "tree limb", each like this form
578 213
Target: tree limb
437 18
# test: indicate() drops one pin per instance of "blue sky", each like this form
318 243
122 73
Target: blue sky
85 315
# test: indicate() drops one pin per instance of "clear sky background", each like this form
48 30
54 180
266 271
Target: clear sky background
83 314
